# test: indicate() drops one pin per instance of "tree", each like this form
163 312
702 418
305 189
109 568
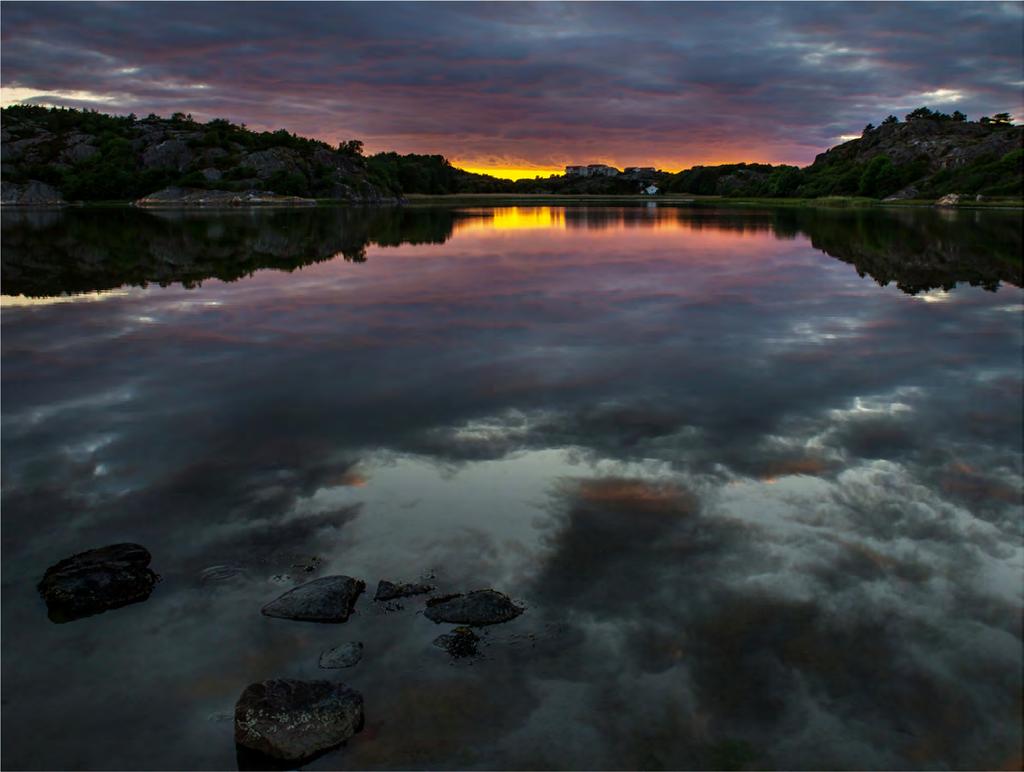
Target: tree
890 120
959 116
879 178
985 119
352 147
868 129
1001 119
921 113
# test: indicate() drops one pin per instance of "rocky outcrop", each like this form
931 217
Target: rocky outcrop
90 156
478 608
31 193
174 197
328 599
168 154
97 580
295 720
938 144
950 199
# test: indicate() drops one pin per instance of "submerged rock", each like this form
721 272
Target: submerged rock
460 642
390 591
481 607
346 655
328 599
97 580
294 720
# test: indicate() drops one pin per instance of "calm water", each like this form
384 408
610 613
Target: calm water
756 475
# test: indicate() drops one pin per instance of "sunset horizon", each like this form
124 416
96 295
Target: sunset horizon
524 89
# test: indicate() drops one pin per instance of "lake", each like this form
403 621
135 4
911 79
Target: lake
755 475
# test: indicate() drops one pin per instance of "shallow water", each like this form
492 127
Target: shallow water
756 476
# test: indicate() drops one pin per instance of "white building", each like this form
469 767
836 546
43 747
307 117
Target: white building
651 190
591 170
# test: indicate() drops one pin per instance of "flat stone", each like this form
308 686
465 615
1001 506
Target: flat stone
481 607
346 655
328 599
460 642
390 591
293 720
97 580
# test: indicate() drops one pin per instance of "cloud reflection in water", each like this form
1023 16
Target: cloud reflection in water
759 507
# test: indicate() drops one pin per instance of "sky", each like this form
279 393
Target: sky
520 89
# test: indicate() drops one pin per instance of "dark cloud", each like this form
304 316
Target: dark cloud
544 83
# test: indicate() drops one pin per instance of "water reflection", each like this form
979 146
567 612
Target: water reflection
762 511
48 253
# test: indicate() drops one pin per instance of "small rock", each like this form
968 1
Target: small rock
389 590
293 720
460 642
97 580
950 199
309 565
481 607
346 655
328 599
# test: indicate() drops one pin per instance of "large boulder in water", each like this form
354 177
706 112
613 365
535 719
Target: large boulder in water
328 599
481 607
97 580
294 720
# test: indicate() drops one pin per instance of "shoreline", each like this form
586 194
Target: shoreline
536 199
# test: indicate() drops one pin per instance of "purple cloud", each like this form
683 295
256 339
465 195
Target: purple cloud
528 83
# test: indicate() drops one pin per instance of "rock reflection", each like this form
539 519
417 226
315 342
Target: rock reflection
49 253
52 253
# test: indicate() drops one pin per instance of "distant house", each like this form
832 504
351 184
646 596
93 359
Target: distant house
636 171
591 170
651 190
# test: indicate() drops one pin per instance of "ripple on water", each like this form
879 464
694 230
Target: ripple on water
222 574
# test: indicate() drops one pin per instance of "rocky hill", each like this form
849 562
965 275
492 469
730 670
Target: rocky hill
55 155
927 156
